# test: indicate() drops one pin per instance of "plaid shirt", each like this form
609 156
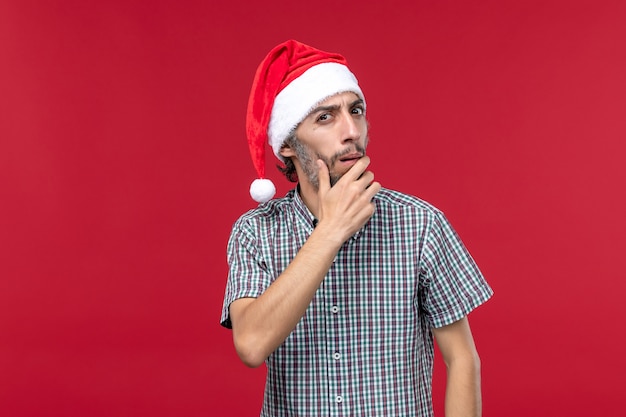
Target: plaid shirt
364 346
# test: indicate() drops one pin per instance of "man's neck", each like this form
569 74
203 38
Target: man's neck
308 194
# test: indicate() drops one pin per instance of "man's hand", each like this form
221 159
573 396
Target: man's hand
347 206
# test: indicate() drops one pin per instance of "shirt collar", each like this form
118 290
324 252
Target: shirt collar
301 211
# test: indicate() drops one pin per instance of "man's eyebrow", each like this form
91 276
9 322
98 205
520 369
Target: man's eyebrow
335 106
357 102
325 108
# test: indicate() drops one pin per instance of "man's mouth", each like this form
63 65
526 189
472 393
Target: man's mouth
351 157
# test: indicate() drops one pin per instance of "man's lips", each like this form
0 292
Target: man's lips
351 157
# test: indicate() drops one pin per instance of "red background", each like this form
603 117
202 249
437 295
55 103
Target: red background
123 164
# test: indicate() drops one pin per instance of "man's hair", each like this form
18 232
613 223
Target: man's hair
289 170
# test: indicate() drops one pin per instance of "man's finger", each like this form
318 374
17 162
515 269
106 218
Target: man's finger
323 175
357 169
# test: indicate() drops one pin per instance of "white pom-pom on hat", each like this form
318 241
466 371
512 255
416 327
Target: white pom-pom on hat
290 81
262 190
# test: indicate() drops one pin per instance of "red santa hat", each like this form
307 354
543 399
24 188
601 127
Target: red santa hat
289 83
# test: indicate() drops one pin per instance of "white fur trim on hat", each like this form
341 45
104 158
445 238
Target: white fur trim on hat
294 103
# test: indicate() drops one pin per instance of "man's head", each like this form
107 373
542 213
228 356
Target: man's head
290 85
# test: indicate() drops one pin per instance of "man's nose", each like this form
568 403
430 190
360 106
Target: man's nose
351 131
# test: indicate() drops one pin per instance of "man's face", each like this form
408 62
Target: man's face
335 132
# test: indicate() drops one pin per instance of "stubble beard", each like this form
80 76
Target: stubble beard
308 159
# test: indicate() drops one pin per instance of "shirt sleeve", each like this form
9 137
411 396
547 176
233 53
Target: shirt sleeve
452 284
248 274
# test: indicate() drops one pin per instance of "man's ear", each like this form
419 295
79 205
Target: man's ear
286 151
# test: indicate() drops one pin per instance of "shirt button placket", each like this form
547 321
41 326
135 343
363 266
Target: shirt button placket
338 400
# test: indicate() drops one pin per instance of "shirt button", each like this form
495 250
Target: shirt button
337 356
339 399
334 309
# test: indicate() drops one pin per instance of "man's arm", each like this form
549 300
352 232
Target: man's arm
456 344
262 324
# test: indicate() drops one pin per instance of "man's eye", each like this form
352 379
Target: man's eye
358 110
323 117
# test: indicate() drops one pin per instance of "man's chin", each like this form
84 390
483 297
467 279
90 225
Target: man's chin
334 178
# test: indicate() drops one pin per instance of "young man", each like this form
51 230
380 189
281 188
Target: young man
340 285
